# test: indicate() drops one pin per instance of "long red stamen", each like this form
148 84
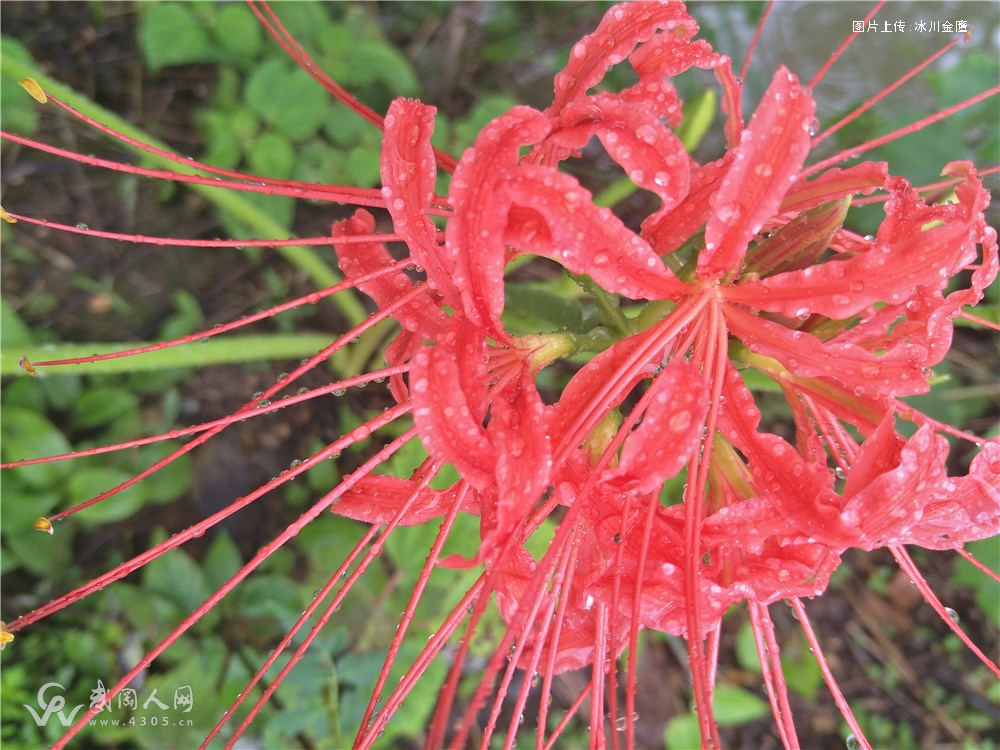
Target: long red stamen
251 405
265 552
769 655
374 551
756 38
308 299
831 682
911 570
291 400
991 573
411 605
850 153
355 196
269 20
843 47
144 239
851 117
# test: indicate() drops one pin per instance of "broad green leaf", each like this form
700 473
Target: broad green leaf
735 706
221 561
47 557
26 393
376 60
99 406
746 648
171 34
90 481
13 331
363 165
178 578
18 111
238 32
170 481
272 156
681 733
27 434
287 98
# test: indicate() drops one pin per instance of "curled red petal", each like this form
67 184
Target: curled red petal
583 403
668 229
670 430
358 259
834 184
897 372
523 453
475 234
768 160
585 238
659 97
444 415
651 155
378 499
906 254
968 508
622 28
408 176
800 491
891 502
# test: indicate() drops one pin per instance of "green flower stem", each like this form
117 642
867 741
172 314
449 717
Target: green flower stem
303 258
223 350
652 312
607 305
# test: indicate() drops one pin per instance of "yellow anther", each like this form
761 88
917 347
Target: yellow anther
44 524
28 367
7 217
31 86
5 636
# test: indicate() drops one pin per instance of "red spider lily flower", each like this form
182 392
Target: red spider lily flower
771 267
745 266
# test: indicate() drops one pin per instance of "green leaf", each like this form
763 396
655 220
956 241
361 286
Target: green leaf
25 393
287 98
735 706
20 112
363 165
45 556
987 591
377 60
221 561
178 578
13 331
306 20
682 733
272 156
27 434
238 32
91 481
61 391
171 481
221 350
170 34
746 648
99 406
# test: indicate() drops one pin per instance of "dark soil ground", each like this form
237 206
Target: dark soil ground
888 649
